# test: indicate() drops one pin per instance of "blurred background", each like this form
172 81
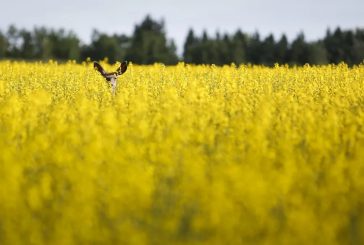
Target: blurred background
199 32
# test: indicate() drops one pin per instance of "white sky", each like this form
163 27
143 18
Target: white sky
312 17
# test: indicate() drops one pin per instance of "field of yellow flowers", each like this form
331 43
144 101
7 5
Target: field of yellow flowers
181 155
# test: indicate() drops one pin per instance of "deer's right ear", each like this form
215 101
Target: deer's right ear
99 68
122 69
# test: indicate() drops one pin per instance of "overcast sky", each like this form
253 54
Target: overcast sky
312 17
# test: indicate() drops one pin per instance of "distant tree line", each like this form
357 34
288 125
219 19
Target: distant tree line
149 44
337 46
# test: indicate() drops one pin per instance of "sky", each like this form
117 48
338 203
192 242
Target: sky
312 17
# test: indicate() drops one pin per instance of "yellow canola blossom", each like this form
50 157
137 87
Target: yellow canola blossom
181 155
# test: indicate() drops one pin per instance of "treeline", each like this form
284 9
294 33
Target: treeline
335 47
148 44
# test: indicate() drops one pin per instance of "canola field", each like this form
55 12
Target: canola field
181 155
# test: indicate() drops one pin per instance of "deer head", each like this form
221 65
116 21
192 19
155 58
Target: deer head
112 77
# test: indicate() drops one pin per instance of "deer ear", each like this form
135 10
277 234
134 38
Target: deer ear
122 69
99 68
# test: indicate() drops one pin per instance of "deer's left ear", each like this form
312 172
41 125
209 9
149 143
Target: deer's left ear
122 69
99 68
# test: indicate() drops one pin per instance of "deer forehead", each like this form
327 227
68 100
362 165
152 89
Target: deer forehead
112 75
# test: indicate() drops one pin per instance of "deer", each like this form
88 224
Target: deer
111 77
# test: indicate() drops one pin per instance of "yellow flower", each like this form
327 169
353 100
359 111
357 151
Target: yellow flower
181 154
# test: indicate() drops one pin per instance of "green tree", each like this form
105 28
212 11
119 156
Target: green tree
64 45
26 49
238 47
42 45
104 46
149 44
281 50
254 49
299 51
224 46
268 51
13 38
189 47
333 45
358 47
3 45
